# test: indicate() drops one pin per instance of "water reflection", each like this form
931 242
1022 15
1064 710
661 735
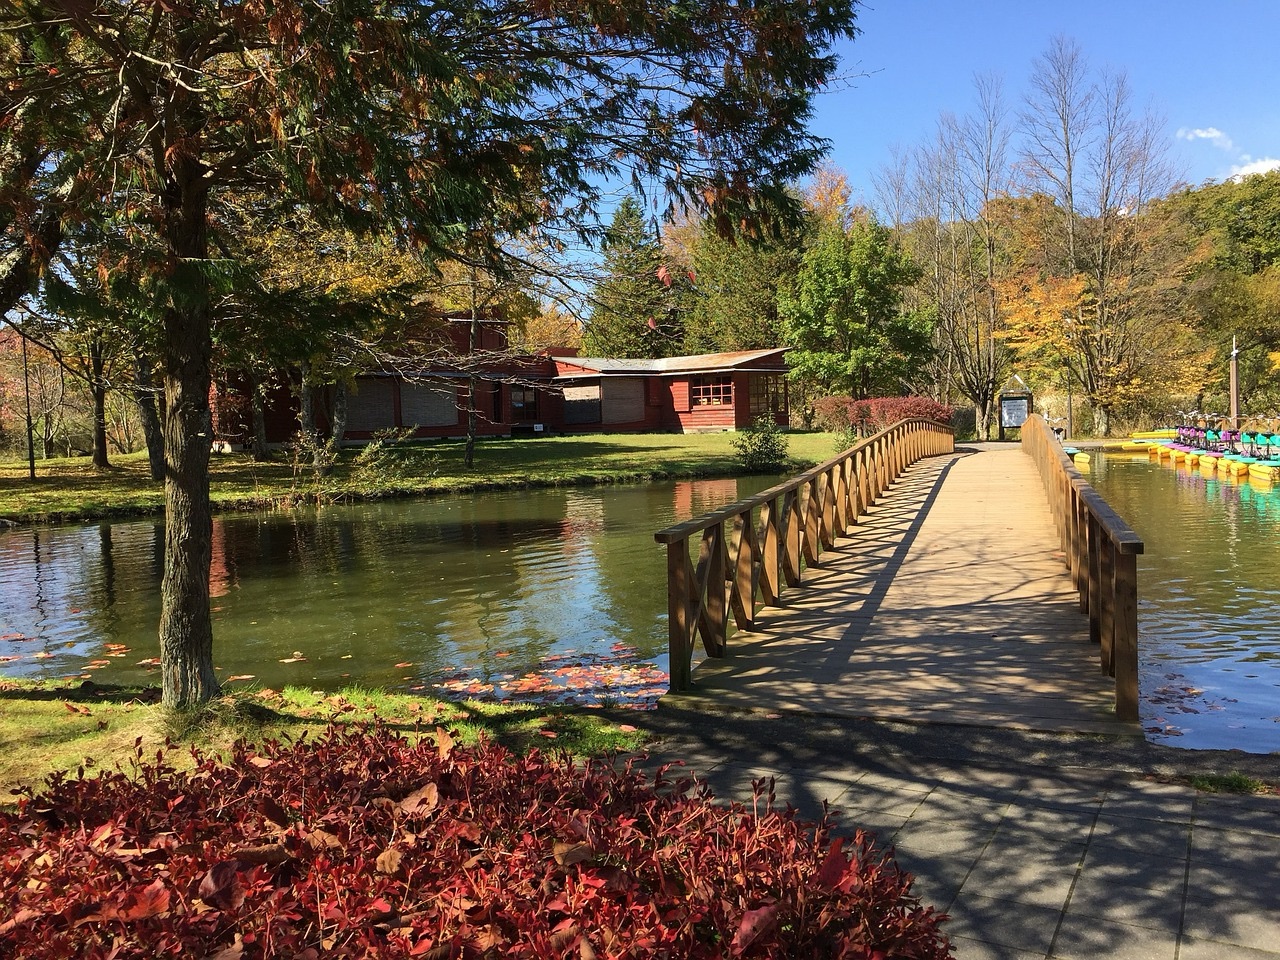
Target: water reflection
484 587
1209 602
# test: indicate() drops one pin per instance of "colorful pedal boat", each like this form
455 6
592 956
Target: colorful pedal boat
1268 470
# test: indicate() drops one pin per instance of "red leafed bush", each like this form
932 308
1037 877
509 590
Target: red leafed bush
363 844
875 414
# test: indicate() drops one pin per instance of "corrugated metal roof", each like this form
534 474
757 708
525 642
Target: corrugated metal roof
700 363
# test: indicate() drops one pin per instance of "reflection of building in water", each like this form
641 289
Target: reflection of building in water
583 521
691 498
221 566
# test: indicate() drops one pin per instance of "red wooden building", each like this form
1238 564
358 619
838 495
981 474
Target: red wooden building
552 393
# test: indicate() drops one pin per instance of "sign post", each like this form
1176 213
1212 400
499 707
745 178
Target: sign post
1015 407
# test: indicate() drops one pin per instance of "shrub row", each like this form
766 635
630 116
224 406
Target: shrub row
364 844
839 414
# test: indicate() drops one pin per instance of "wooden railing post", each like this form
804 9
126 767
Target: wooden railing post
679 634
1125 646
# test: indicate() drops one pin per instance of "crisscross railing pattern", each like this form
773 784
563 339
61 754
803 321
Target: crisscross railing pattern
1101 551
752 550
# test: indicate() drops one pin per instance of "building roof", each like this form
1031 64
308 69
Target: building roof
700 363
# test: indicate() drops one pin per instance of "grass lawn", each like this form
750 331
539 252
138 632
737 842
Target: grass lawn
71 489
46 726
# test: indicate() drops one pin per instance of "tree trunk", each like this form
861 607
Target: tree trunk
258 444
98 391
338 425
144 395
186 632
1102 421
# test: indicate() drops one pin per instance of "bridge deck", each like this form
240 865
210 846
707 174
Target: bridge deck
948 603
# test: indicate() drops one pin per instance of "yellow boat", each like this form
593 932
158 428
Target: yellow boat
1134 446
1164 433
1232 467
1268 470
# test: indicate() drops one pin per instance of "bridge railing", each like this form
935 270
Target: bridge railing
757 547
1101 551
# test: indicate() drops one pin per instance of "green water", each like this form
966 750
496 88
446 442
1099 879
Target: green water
1209 602
552 593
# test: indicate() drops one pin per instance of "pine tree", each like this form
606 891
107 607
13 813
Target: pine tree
636 306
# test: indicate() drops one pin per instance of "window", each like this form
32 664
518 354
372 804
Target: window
768 394
711 391
524 404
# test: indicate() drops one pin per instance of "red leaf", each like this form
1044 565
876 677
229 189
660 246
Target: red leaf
142 902
221 886
834 867
421 802
444 742
754 923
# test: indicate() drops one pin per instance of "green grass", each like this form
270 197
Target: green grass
71 489
46 727
1227 783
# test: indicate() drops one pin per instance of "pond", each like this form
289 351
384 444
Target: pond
1209 602
549 594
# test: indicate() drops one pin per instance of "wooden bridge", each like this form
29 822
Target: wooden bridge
907 579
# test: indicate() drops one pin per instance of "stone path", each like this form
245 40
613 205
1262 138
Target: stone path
1039 863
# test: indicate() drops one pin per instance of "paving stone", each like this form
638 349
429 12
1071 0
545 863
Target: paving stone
1156 906
1148 837
1233 922
1245 814
1124 867
918 835
963 948
1192 949
1029 928
1039 822
1087 938
1025 880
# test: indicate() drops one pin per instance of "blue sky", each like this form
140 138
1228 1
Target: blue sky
1210 69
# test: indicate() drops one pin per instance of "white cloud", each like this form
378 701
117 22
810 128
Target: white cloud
1265 165
1212 134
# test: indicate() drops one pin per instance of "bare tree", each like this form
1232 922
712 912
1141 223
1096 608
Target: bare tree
1101 161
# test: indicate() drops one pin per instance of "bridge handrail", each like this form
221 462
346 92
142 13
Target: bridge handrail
797 520
1101 552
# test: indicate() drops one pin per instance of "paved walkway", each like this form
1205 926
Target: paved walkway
1031 858
1025 813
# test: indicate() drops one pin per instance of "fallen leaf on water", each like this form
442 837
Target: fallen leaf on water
294 659
403 666
149 662
43 655
10 659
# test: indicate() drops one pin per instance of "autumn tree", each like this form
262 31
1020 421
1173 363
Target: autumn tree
948 198
1101 163
843 313
1229 237
418 116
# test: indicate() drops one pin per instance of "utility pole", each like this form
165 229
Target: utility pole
1235 386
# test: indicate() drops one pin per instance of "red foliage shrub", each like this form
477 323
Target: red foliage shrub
362 844
876 413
